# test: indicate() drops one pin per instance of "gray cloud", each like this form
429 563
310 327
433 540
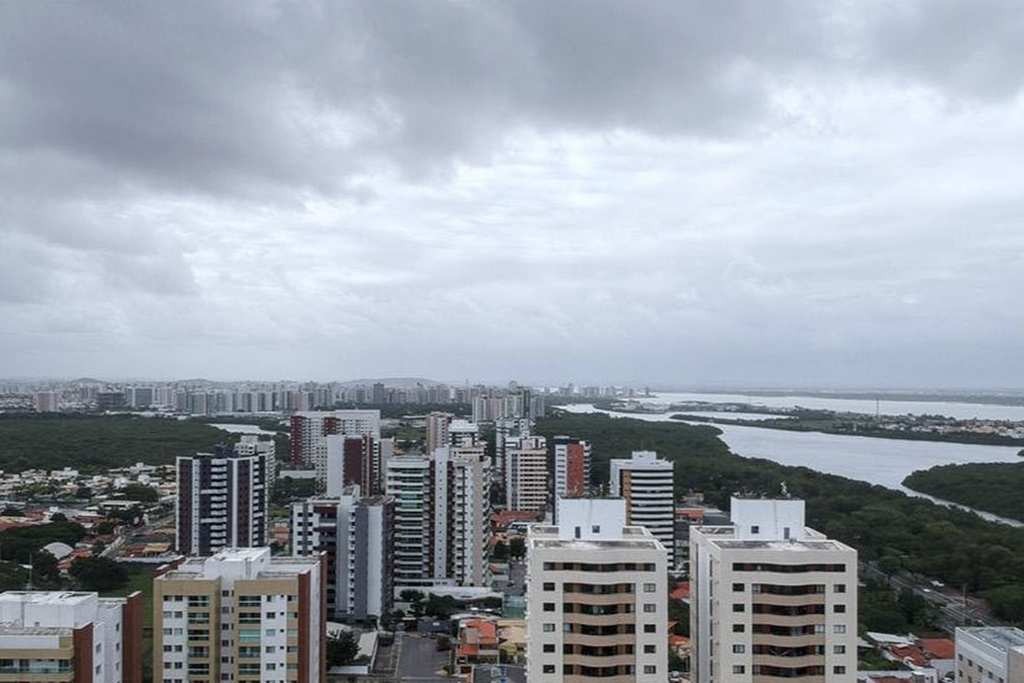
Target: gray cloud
678 192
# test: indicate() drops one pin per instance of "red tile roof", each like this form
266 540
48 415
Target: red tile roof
681 592
938 648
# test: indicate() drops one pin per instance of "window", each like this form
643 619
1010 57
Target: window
549 628
839 649
549 585
650 628
650 608
738 669
650 669
549 647
785 532
838 669
737 588
839 628
650 649
595 529
755 529
840 588
739 628
839 609
650 587
577 532
549 607
549 668
739 607
739 649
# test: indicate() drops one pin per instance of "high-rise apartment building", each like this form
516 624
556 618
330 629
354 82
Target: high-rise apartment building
989 654
353 460
310 429
46 401
70 637
409 480
437 430
355 534
646 483
249 445
526 473
241 616
222 501
442 518
771 599
597 604
572 467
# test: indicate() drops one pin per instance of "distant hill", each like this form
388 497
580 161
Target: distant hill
404 382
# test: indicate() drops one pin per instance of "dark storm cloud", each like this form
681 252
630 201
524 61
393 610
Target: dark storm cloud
578 179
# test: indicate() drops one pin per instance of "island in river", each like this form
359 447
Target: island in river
993 487
911 427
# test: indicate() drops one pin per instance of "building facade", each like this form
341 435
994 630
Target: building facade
646 483
442 529
222 501
242 616
526 473
771 599
572 466
989 654
597 603
310 429
437 430
70 637
355 534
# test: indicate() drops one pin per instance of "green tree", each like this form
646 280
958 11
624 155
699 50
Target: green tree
13 577
415 600
98 573
45 572
58 517
517 547
140 492
342 648
500 552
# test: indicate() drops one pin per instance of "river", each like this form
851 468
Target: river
960 411
878 461
236 428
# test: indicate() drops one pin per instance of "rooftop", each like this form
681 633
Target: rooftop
1001 637
47 597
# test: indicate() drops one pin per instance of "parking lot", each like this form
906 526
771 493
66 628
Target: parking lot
419 660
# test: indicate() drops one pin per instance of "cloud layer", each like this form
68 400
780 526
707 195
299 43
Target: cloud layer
677 193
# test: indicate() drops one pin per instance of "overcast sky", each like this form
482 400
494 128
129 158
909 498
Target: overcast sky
667 193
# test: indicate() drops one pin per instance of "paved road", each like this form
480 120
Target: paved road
419 660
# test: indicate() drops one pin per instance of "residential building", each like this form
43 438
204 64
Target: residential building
989 654
222 501
526 473
437 430
505 428
240 615
70 637
46 401
572 467
596 600
442 518
354 533
110 400
771 599
409 480
251 444
646 482
310 429
353 460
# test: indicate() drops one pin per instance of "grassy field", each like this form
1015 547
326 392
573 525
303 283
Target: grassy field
141 579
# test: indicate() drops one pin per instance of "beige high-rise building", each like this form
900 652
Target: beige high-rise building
437 430
241 616
596 597
526 473
771 599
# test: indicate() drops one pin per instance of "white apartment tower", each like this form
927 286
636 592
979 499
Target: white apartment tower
572 467
70 637
442 518
596 597
771 599
526 473
310 429
240 615
437 430
646 483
